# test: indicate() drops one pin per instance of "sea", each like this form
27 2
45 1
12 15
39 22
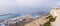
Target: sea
8 16
14 15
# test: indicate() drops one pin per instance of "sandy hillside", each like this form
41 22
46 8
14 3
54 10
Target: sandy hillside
37 22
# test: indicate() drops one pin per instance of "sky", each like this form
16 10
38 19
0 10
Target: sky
30 6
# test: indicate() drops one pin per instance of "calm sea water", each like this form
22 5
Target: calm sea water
7 16
14 15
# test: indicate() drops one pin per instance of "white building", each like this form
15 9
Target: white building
56 12
53 11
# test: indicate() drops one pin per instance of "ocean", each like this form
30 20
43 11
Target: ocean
14 15
8 16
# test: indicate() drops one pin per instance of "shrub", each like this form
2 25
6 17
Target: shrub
47 24
51 19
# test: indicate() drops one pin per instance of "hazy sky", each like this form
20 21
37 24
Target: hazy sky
9 6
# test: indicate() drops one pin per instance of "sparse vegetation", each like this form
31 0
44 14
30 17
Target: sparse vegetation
47 24
51 19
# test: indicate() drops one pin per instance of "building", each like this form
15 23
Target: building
53 11
56 13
